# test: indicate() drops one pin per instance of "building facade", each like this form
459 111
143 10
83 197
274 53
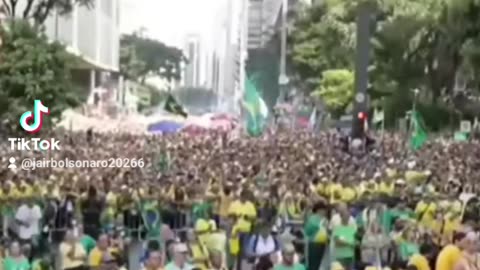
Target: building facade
264 44
192 71
230 54
93 35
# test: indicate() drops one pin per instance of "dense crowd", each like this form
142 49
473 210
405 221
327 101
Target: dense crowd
284 201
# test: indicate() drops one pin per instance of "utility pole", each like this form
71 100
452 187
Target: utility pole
364 12
283 79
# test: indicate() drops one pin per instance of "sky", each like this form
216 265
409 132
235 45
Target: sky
170 20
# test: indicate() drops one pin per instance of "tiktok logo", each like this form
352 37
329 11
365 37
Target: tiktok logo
37 116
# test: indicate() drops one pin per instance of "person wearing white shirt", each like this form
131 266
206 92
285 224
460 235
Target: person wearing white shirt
179 262
336 219
28 217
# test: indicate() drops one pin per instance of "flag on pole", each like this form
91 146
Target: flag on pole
378 116
172 106
419 135
255 108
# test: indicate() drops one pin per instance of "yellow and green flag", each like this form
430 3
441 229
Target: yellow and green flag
255 109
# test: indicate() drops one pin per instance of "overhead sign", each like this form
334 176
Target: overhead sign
283 79
465 126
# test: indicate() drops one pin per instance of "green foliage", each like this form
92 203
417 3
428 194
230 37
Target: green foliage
39 10
336 89
316 45
141 57
415 44
32 68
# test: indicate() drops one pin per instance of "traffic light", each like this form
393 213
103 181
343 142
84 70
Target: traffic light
362 116
360 125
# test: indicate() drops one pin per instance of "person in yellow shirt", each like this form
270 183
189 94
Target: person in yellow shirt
243 213
102 254
451 254
387 186
196 247
425 211
421 260
72 252
333 191
348 194
225 202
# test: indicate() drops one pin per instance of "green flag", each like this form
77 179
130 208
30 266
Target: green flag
255 109
419 135
172 106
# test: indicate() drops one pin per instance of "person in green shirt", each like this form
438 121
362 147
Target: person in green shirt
315 229
201 209
344 236
16 260
288 259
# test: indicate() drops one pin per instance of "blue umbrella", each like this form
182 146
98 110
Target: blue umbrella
165 127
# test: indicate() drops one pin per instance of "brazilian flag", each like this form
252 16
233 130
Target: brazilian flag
172 106
255 109
151 218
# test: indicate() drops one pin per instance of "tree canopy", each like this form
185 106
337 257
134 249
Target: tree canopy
39 10
32 68
142 56
430 45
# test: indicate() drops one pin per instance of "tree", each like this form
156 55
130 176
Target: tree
39 10
422 44
321 41
142 57
336 89
32 68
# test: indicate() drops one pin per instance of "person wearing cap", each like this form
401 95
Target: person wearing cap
288 259
180 257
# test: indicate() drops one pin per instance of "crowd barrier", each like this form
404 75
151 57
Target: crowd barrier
57 219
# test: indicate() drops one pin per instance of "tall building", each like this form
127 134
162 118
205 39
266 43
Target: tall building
193 68
263 20
230 53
